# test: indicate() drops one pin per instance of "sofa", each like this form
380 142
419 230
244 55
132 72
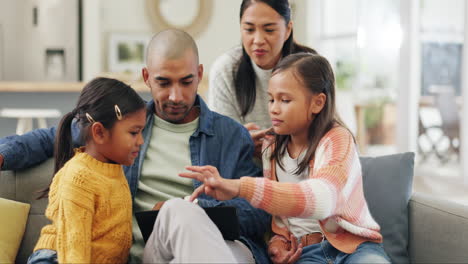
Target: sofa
416 228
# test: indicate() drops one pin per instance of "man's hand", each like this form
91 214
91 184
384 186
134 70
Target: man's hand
213 184
282 251
257 137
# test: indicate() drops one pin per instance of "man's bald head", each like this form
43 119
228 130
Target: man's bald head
171 44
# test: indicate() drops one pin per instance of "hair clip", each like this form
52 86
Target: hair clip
117 112
90 118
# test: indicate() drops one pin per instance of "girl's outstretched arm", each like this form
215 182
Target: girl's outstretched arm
334 177
213 184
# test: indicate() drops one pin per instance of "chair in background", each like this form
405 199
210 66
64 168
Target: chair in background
445 102
443 137
426 134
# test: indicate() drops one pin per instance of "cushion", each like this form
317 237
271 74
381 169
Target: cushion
387 182
13 218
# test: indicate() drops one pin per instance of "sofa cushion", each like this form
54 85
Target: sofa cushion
13 218
387 184
7 185
31 235
28 182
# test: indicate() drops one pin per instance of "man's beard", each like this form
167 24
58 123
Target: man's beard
180 115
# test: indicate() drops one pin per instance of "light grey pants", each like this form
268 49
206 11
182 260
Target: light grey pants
183 233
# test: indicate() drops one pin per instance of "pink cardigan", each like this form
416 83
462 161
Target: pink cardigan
333 194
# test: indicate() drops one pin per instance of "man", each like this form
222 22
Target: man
180 131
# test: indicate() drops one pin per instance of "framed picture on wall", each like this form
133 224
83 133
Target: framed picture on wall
126 52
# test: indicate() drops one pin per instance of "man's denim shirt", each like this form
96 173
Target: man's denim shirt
219 141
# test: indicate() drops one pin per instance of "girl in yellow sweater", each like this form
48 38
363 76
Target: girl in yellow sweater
90 205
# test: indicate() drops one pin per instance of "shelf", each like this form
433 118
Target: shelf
57 87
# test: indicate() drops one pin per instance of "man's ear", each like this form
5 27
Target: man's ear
200 72
145 74
99 133
318 102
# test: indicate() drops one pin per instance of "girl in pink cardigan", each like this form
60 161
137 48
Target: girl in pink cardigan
312 181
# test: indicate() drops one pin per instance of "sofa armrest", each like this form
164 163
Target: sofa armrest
438 230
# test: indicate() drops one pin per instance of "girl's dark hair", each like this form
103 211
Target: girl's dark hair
315 73
244 78
98 99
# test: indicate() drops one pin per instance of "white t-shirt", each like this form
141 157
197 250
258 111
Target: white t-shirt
297 226
167 155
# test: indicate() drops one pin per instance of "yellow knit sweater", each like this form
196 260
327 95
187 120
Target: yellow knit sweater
90 208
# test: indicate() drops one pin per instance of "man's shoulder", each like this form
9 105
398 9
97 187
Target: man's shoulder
227 124
226 120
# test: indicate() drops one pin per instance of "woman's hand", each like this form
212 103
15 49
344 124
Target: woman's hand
285 251
257 137
213 184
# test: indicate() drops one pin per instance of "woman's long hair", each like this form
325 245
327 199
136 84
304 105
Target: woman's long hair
244 78
315 73
97 99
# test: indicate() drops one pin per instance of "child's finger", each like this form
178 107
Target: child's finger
199 169
295 257
193 175
199 190
284 258
211 169
251 126
205 172
270 132
258 134
293 240
208 173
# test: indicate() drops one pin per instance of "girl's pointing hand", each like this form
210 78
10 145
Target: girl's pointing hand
213 184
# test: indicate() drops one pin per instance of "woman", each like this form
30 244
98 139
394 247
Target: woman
239 78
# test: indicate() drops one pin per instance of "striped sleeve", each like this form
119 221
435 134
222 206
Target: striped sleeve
317 197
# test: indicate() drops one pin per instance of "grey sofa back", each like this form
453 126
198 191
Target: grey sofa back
438 229
22 186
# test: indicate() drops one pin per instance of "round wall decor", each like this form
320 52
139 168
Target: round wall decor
190 16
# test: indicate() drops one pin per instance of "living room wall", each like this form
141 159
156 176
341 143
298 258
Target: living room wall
132 17
124 16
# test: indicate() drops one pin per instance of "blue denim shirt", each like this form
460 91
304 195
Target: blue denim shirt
219 141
